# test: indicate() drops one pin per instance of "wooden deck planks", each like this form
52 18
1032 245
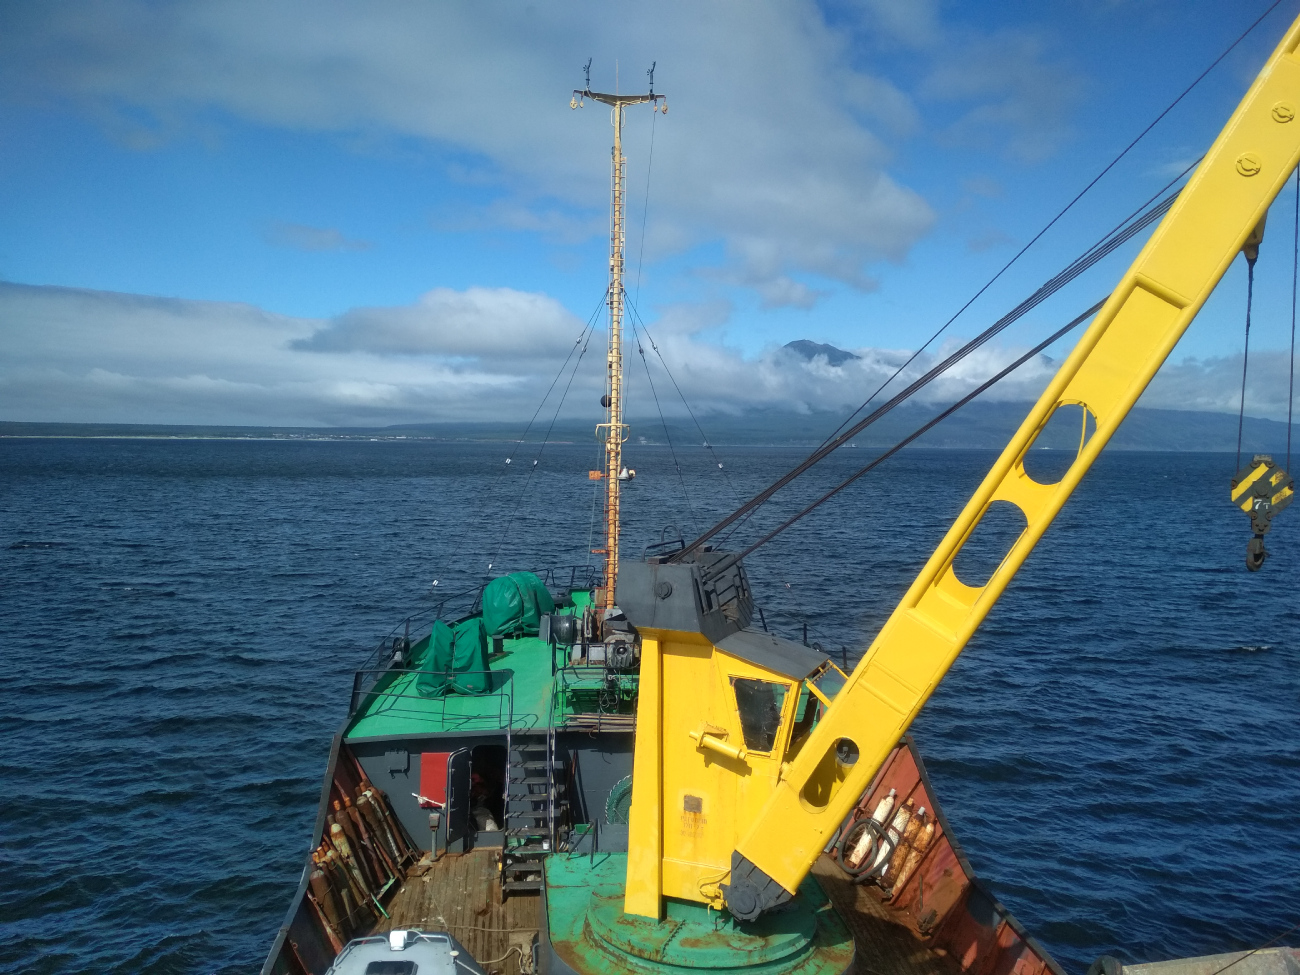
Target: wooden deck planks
462 895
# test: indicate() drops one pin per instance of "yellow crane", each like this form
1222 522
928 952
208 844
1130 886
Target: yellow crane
738 788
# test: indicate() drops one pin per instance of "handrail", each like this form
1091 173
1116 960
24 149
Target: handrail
380 660
504 694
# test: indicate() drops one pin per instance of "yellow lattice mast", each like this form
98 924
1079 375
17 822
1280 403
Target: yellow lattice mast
615 431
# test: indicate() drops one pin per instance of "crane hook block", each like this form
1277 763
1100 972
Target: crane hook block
1261 489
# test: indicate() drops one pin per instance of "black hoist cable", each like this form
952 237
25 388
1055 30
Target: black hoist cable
1016 364
1063 211
838 438
1121 234
579 343
528 480
686 495
1245 356
704 437
1295 276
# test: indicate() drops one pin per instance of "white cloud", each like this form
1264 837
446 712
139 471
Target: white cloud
768 147
79 355
482 354
496 322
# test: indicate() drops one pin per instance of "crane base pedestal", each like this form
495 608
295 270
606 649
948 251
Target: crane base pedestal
584 930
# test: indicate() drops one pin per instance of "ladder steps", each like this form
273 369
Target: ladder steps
536 807
522 885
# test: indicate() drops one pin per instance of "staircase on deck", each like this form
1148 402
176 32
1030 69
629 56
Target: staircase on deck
536 811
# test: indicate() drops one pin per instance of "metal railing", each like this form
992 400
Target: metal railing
434 706
392 654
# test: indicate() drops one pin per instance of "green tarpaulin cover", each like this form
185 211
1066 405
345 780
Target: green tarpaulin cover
458 659
515 604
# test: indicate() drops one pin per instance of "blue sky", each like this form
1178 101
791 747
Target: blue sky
237 212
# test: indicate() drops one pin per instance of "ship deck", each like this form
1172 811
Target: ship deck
462 896
932 918
522 696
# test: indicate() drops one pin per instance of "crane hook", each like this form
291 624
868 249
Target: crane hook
1261 489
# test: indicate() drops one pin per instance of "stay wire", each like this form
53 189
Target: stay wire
1295 275
664 420
645 209
1064 210
1116 238
492 490
514 511
1245 356
704 437
935 421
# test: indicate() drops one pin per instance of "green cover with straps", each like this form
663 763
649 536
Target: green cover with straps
515 603
437 657
457 660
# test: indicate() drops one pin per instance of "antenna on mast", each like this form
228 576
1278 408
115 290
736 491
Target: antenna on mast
614 431
580 97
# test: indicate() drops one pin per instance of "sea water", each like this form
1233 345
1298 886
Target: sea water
1117 750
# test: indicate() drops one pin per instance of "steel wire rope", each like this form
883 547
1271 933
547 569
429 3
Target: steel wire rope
703 436
491 493
645 209
726 563
1295 276
1118 236
1245 356
1064 210
686 496
1125 231
835 437
1267 944
505 532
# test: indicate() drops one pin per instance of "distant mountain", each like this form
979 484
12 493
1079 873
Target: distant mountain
982 426
811 350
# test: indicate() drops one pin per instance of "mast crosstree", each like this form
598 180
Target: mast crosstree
614 429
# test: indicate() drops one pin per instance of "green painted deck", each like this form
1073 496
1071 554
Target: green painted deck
589 932
522 694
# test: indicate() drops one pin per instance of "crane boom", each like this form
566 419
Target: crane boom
1127 342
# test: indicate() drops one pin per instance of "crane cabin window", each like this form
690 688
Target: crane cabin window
759 703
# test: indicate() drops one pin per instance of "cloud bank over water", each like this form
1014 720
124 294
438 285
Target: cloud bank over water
479 354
